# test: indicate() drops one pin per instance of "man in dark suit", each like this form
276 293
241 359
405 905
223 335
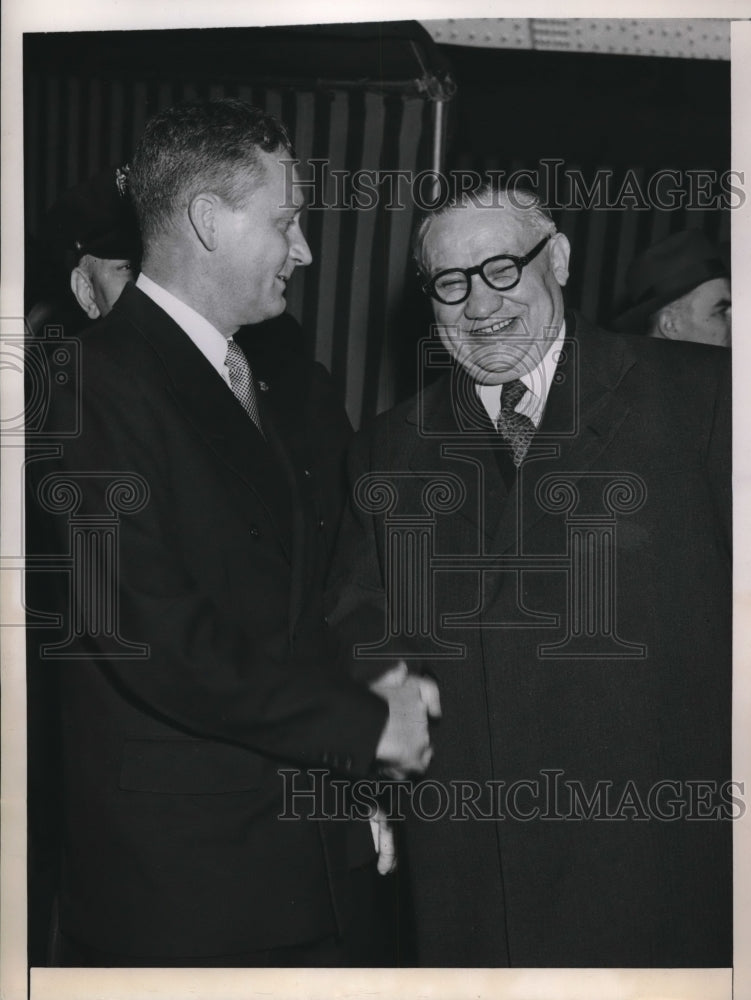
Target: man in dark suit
546 529
195 503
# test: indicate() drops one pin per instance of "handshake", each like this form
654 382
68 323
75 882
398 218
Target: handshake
404 748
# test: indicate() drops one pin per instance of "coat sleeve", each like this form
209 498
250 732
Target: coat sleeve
356 597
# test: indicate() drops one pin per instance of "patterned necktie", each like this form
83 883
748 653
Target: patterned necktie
514 427
241 381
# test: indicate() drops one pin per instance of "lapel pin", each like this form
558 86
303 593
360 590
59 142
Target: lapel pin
263 386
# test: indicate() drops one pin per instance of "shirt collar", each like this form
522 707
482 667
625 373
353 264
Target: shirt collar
209 341
538 383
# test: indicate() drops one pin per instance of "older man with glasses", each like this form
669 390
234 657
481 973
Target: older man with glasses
545 529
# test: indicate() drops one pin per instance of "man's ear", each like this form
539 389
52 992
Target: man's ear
202 212
666 324
83 290
560 251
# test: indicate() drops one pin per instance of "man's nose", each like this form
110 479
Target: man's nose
483 300
299 250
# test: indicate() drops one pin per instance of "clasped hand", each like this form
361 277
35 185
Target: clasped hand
404 748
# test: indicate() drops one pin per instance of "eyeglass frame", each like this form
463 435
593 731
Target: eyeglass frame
519 262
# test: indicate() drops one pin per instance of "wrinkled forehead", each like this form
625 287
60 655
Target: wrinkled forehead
468 235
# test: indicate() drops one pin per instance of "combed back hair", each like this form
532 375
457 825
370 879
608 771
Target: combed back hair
198 146
522 203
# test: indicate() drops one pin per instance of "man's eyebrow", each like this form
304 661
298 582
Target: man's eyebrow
723 303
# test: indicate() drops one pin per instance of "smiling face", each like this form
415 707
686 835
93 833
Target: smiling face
497 336
260 244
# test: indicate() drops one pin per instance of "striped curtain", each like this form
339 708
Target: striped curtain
350 300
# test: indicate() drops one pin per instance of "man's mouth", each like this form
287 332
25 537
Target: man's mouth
498 327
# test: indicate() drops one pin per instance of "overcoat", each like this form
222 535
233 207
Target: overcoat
577 618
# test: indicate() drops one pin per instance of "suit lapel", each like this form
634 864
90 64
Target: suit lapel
210 407
582 417
453 427
282 417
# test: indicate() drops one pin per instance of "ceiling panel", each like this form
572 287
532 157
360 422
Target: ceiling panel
682 38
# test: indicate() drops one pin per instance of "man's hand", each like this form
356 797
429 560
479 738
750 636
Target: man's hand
404 748
383 838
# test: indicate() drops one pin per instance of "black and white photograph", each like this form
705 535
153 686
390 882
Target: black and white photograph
374 489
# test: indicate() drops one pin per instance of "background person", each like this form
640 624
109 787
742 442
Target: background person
679 289
87 251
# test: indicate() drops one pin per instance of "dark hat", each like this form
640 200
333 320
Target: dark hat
95 218
665 272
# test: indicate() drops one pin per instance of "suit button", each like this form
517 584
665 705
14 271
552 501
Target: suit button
325 619
307 473
321 524
255 531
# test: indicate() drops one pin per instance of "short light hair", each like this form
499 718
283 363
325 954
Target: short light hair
195 146
522 203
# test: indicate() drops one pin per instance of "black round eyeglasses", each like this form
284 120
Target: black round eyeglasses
451 287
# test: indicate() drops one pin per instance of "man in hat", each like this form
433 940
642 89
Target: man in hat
89 243
86 252
679 289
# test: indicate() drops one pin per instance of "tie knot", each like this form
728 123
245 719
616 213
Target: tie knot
241 381
236 360
511 395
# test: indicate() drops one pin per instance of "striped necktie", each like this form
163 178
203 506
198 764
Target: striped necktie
241 381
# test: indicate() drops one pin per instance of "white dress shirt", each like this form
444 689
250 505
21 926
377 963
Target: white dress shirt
538 382
209 341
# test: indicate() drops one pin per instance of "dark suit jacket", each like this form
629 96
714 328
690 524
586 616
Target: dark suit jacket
628 879
172 845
